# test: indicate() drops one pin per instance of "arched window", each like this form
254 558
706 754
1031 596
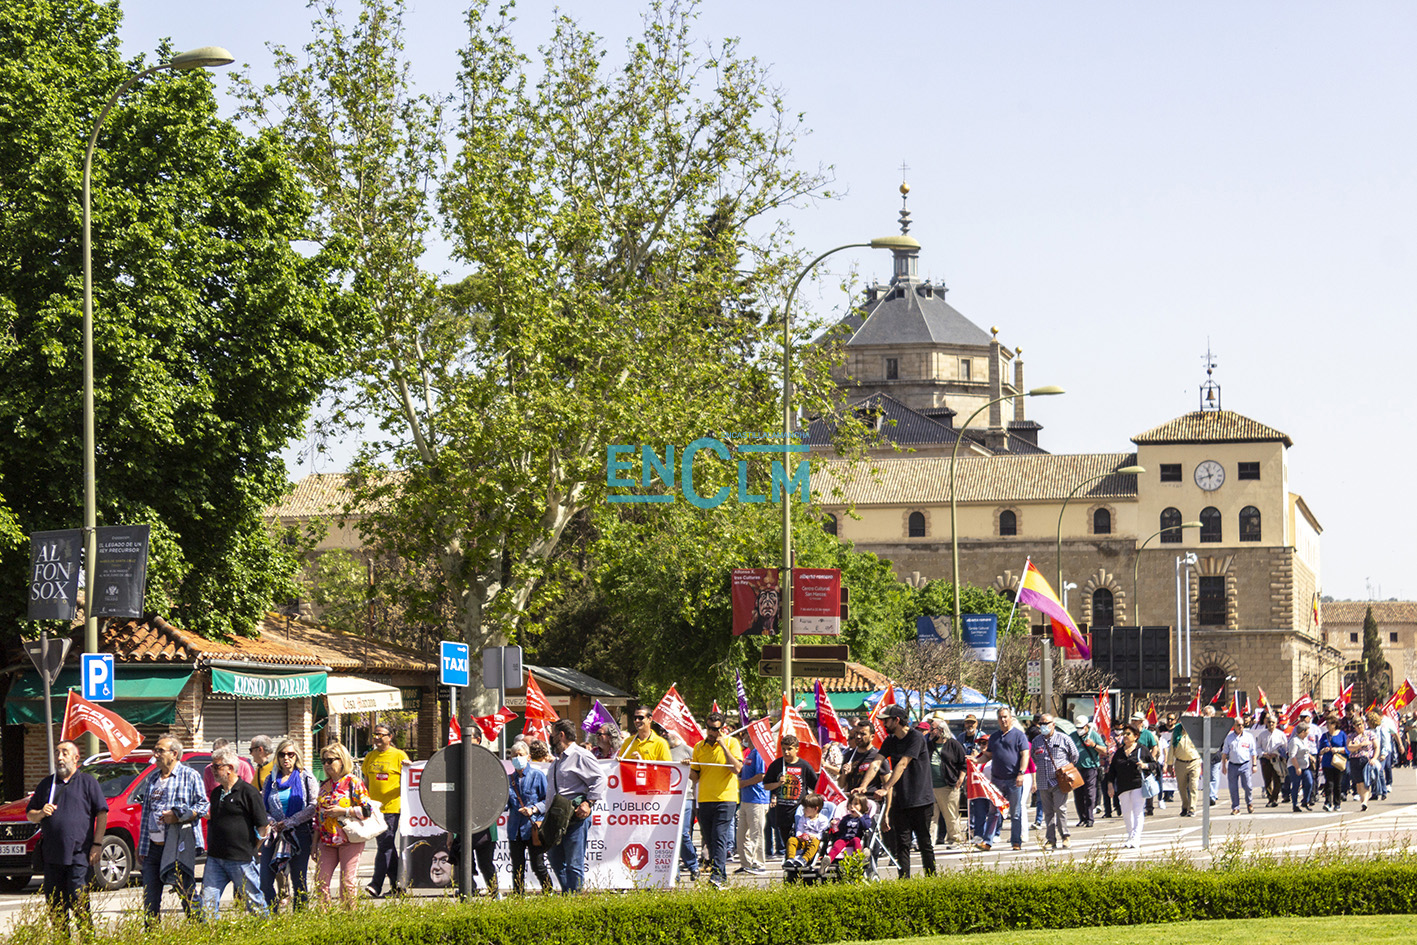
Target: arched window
1103 608
1102 522
1249 523
917 524
1211 528
1213 682
1171 521
829 524
1008 523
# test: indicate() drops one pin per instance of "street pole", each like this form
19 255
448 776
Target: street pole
1136 568
895 243
202 58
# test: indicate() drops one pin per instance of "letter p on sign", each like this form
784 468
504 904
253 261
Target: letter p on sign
97 672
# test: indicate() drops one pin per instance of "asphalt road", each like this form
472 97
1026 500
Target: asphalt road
1385 825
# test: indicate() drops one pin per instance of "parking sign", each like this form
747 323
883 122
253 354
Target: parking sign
97 672
452 666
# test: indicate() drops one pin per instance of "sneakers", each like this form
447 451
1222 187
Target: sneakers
1067 842
373 893
753 871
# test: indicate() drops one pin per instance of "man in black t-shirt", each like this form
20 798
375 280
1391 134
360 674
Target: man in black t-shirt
238 817
71 810
789 779
910 801
861 764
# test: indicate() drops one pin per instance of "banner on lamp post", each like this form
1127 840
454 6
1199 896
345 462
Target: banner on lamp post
54 574
120 572
757 601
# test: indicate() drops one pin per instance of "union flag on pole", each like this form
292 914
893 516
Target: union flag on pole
878 729
454 731
539 714
1305 703
1233 710
760 734
827 719
1400 699
1151 716
1340 705
492 724
1195 707
81 715
674 714
1102 715
977 786
794 724
831 791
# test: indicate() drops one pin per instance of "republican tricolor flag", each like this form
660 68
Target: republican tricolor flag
1034 591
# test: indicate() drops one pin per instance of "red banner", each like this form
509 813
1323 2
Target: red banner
640 778
674 714
757 602
816 601
81 715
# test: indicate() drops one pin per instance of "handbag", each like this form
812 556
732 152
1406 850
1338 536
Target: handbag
1338 762
557 820
1150 787
373 824
1069 777
536 838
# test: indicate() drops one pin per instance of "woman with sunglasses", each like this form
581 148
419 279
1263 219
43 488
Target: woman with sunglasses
289 794
342 798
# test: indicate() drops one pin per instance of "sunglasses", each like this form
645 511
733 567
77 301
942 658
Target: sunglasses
287 754
715 728
641 718
328 759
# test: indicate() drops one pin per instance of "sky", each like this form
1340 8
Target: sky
1119 187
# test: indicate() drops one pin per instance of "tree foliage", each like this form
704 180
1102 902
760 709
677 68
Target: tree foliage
1377 674
212 335
618 221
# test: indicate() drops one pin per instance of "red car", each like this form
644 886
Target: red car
123 783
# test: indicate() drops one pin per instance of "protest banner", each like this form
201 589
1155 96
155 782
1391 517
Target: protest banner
633 840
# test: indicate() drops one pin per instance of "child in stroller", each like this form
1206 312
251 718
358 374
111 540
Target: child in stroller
807 830
850 830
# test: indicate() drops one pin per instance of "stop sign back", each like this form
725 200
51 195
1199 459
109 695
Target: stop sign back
439 793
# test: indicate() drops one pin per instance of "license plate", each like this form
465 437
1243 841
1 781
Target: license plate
12 849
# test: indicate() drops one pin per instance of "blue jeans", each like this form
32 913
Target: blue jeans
715 817
239 873
1214 776
1301 786
568 856
386 857
1013 793
184 882
688 856
980 811
304 839
1239 776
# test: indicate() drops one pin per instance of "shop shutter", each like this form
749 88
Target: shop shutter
240 720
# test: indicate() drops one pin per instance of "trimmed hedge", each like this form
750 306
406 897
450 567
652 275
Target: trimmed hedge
974 901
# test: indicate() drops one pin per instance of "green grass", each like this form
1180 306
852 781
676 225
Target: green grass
1370 930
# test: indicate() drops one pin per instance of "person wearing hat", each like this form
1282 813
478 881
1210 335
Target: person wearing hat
1091 747
909 801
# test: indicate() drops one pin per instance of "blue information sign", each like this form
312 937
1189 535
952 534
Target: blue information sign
452 665
981 637
97 672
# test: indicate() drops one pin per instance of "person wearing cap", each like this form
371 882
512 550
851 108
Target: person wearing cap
909 802
1091 747
1051 750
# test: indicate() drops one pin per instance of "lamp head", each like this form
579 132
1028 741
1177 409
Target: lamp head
1131 470
203 57
895 242
1046 391
1191 525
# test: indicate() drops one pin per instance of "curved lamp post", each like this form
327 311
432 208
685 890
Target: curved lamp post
884 242
1047 391
204 57
1136 565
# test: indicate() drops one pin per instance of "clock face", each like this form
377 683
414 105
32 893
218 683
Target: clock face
1210 475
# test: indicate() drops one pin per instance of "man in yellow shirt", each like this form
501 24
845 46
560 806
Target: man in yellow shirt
383 769
644 744
714 767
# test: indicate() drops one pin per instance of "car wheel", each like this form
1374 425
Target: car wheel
115 863
14 882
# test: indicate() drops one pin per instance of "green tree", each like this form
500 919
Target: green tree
212 335
619 225
1377 674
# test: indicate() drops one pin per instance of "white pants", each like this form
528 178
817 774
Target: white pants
1133 813
751 818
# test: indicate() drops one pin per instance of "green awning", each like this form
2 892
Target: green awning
268 685
147 695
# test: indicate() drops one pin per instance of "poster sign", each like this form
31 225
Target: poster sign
757 601
816 601
932 629
54 574
120 570
981 637
633 839
249 686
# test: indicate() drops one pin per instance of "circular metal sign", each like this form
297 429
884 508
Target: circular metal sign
439 789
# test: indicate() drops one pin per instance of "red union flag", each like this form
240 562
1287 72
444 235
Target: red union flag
454 731
831 791
494 723
878 730
977 786
760 734
794 724
674 715
81 715
1102 716
637 777
1341 703
539 714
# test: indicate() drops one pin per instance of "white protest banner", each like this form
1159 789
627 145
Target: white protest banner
632 842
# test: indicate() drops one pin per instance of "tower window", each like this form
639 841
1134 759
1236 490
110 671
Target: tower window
1008 523
1102 522
1170 472
892 369
1171 523
916 525
1103 608
829 524
965 369
1249 523
1210 601
1249 471
1211 528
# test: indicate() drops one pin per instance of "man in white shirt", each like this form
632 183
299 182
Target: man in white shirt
1239 757
1273 748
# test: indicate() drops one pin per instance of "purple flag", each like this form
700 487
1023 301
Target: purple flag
743 717
596 718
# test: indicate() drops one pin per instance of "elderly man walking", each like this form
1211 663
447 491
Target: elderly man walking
238 822
170 829
1239 758
70 808
1051 750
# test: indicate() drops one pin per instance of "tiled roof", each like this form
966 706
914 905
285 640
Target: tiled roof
859 678
318 494
346 651
1350 613
899 424
914 313
926 480
154 640
1212 426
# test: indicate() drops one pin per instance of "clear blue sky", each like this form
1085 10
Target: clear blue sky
1115 185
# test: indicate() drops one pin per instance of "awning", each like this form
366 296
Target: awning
253 685
147 695
352 694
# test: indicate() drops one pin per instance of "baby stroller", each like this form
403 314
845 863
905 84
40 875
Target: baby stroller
872 845
812 869
817 868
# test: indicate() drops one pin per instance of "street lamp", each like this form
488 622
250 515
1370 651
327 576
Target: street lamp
201 58
1136 565
901 242
1047 648
1047 391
